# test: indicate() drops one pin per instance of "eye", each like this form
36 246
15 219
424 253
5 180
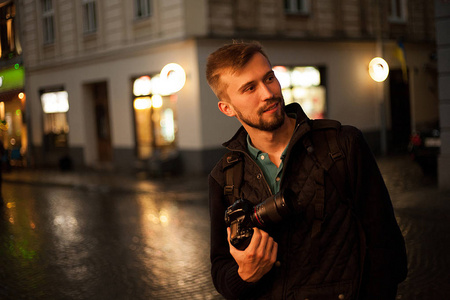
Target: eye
249 88
270 78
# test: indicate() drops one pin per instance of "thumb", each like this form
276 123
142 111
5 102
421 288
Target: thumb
228 238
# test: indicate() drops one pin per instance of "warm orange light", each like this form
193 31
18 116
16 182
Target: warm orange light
142 103
378 69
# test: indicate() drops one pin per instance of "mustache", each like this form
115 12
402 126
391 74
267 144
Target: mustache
270 103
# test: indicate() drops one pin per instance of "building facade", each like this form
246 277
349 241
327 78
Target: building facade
94 69
13 129
443 44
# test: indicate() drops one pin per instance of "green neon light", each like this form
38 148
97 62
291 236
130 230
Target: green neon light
12 78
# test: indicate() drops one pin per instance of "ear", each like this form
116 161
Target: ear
226 108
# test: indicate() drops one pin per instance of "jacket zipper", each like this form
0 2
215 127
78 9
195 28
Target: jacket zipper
289 233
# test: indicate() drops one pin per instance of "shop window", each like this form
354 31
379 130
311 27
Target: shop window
296 7
9 39
13 136
142 8
47 20
89 16
305 86
398 11
155 116
56 127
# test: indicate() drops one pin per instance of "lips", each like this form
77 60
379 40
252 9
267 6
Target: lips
271 107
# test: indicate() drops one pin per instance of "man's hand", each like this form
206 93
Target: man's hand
259 257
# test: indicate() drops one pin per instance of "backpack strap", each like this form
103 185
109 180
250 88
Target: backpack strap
234 169
335 156
325 161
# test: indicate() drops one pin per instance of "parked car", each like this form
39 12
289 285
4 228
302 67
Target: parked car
424 148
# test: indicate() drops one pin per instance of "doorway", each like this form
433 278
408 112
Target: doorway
400 112
99 130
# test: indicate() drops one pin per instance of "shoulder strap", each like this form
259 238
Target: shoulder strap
335 155
233 168
325 157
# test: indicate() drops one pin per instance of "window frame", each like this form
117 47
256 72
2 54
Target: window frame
398 11
9 44
297 7
142 9
48 22
90 16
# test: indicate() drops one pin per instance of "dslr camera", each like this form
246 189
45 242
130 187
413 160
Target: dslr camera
242 216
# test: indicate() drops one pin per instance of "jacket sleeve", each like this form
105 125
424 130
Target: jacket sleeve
385 263
224 269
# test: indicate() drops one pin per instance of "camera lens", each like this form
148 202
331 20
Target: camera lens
272 210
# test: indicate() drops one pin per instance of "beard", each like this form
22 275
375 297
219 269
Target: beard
266 125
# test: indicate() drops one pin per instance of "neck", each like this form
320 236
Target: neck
272 142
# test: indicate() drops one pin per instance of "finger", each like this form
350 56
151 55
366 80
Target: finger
274 253
232 248
256 238
269 249
264 243
229 238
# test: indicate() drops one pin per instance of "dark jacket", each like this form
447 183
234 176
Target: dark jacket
358 234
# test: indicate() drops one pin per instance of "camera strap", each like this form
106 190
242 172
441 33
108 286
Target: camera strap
233 167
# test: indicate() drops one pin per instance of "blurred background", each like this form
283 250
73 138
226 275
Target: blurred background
82 84
118 87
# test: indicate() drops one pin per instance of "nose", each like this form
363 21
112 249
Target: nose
266 92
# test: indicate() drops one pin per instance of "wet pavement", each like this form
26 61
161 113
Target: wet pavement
86 235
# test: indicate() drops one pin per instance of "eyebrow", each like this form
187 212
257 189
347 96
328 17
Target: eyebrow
247 84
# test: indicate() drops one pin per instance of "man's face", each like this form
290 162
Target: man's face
254 95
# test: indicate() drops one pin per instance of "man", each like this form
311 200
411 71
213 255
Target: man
343 241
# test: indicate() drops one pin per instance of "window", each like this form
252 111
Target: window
304 85
9 40
142 8
47 19
296 6
398 11
155 118
89 16
56 127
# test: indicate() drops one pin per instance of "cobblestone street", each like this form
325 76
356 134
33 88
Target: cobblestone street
99 236
422 212
86 243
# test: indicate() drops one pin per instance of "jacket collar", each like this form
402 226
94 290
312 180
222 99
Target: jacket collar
239 141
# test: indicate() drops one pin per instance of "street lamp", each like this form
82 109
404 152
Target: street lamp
379 71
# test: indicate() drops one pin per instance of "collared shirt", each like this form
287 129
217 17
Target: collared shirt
269 169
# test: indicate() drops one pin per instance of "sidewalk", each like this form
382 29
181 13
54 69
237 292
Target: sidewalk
180 187
400 173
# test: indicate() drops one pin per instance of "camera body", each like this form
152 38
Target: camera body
242 216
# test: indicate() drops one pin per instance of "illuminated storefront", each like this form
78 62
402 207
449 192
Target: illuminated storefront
155 114
55 105
13 130
304 85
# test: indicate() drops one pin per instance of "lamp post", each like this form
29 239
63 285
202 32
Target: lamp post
379 71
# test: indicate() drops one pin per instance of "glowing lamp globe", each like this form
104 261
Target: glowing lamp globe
378 69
